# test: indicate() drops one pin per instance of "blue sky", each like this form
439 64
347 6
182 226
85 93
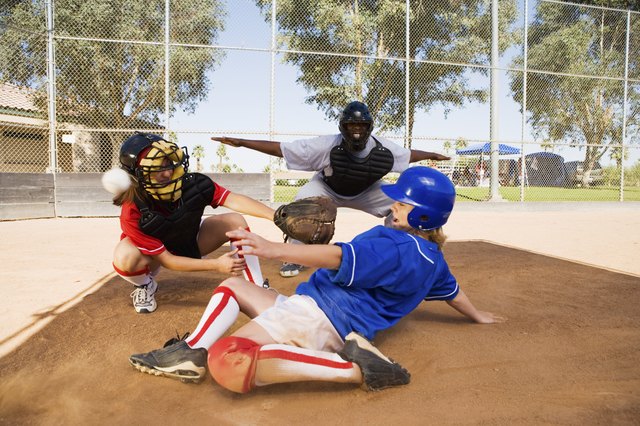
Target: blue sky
239 102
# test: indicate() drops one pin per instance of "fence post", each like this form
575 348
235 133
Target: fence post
272 94
167 17
493 104
407 80
525 52
51 102
624 105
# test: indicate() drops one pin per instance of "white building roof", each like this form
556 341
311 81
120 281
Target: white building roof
15 97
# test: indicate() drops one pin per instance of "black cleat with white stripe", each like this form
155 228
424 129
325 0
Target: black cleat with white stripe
379 371
177 361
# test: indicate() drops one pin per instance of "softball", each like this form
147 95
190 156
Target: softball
116 181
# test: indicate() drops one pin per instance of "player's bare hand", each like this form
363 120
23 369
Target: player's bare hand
484 317
231 265
439 157
252 244
227 141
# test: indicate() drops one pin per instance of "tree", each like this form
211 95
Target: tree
447 145
616 4
112 84
198 154
587 110
460 143
372 33
221 153
223 165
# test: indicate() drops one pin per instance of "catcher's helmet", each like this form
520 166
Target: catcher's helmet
144 155
430 192
355 112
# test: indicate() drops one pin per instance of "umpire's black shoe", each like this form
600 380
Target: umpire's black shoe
177 360
379 371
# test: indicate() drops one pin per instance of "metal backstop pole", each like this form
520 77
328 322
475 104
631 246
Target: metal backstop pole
624 105
51 97
495 148
167 66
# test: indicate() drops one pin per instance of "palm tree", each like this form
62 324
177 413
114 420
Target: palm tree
221 153
198 154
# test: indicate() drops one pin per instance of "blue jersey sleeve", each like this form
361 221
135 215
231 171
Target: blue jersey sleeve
369 263
444 288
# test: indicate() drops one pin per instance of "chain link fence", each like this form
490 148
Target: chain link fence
76 78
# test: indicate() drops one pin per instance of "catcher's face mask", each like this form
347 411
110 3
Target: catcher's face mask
161 169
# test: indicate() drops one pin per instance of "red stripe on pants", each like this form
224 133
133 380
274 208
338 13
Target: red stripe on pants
306 359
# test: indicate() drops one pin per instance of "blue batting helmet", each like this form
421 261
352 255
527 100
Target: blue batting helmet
430 192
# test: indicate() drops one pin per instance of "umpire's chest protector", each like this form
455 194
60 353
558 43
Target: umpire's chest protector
178 230
352 175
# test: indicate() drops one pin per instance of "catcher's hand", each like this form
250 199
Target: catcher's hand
309 220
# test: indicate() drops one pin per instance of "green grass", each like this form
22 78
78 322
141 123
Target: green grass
597 193
285 194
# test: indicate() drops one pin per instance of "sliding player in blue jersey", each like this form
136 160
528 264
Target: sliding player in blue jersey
322 332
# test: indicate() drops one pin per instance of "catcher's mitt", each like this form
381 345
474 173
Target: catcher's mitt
309 220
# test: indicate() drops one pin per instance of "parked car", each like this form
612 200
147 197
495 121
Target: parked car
574 171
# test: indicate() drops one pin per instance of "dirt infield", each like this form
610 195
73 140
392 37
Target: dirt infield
567 355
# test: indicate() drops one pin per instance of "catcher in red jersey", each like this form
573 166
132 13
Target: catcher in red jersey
162 219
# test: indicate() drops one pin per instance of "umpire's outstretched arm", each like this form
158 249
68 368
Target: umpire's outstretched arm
266 147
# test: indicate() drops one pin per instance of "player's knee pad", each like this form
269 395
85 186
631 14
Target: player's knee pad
232 363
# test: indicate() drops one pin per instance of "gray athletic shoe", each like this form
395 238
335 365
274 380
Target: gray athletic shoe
379 371
176 360
290 269
144 300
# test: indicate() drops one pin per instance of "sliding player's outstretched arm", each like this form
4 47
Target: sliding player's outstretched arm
316 255
462 304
